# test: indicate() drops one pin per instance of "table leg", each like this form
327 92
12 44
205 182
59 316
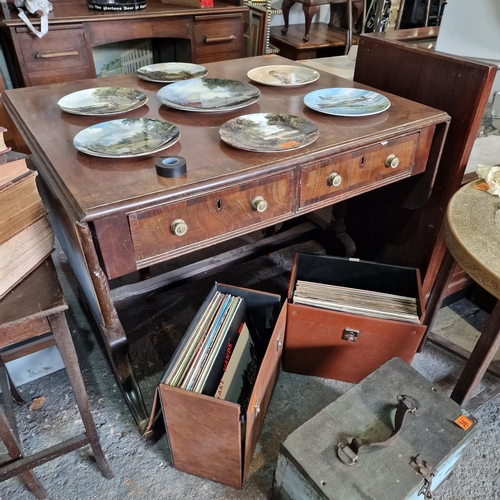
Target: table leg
436 296
481 356
77 243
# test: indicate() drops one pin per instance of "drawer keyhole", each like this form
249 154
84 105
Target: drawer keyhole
219 205
362 162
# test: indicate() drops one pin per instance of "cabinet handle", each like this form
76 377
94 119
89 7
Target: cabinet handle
259 204
56 53
392 161
219 39
334 179
179 227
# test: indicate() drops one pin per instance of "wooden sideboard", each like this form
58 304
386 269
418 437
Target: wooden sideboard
65 52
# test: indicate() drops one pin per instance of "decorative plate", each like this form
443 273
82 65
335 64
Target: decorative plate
268 132
126 138
171 72
102 101
346 102
208 95
283 76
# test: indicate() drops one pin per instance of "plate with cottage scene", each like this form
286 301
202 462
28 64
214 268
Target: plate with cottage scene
171 72
283 75
126 138
268 132
208 95
102 101
347 102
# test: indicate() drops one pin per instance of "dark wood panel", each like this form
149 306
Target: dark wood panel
453 84
204 434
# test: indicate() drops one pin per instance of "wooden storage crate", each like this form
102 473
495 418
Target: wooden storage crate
309 467
318 341
210 437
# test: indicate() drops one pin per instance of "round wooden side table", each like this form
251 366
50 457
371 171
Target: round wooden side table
473 240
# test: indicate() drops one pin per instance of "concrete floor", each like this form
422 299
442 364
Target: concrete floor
143 468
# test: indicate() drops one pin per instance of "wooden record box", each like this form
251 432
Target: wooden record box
211 437
345 346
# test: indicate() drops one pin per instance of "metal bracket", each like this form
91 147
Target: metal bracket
350 335
428 472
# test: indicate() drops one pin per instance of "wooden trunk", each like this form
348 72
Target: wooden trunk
309 467
210 437
315 340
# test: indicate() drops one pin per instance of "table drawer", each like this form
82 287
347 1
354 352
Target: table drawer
367 166
212 216
218 40
59 50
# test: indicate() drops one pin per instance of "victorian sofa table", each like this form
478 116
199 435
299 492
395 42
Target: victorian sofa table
114 217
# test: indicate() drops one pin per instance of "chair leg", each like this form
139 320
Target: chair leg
427 12
14 449
309 12
379 12
68 354
7 400
350 27
285 9
400 14
16 395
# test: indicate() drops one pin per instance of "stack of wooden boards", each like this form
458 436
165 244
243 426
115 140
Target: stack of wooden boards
26 237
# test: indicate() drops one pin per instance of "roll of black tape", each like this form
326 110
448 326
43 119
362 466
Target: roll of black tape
170 166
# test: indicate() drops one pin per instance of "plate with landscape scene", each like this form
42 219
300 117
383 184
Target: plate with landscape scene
126 138
102 101
171 72
347 102
283 75
208 95
269 132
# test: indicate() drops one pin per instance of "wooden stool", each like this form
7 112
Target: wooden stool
33 309
311 7
473 240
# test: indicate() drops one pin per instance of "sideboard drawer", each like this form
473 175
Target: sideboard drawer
321 181
209 218
59 52
218 40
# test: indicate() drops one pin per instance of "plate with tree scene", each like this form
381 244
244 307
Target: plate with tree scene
268 132
208 95
347 102
126 138
283 75
102 101
171 72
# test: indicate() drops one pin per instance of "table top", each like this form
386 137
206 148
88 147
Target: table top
472 235
65 11
91 187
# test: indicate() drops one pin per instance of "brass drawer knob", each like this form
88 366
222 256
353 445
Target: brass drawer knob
179 227
259 204
392 161
334 179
